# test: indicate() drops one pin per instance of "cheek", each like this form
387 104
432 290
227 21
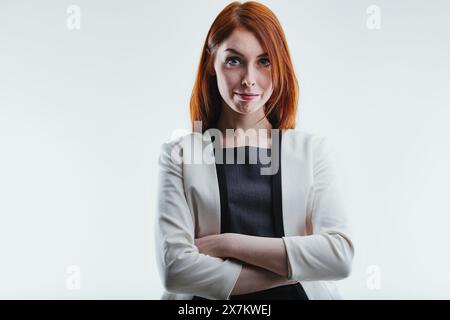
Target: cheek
230 78
265 81
227 86
226 82
265 84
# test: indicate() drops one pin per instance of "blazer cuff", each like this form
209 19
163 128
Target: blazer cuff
232 270
288 259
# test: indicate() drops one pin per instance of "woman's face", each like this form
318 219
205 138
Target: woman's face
242 67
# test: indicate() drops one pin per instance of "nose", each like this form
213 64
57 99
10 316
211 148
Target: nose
248 79
247 83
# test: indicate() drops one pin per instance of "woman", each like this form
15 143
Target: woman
232 230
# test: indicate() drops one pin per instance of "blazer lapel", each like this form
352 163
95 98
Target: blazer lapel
293 184
202 188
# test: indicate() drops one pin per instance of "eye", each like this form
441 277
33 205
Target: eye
230 59
265 61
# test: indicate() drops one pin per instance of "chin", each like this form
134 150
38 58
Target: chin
246 109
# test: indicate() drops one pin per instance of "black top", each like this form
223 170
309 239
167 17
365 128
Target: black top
251 205
249 192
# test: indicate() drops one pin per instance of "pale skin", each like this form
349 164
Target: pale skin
242 66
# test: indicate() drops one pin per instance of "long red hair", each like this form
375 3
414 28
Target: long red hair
206 101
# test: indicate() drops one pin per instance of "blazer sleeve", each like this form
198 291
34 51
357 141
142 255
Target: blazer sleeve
182 268
327 253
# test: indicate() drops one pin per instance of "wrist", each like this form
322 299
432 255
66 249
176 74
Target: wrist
229 244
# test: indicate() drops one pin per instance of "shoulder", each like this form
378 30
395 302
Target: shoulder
170 154
302 140
179 141
311 149
180 147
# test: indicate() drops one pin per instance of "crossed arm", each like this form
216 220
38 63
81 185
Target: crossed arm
264 252
325 254
265 259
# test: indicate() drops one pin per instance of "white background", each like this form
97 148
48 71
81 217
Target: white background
84 112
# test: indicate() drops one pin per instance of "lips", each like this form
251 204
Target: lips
247 96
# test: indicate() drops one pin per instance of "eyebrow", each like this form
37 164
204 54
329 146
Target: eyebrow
237 52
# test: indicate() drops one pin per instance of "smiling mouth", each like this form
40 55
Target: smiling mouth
247 97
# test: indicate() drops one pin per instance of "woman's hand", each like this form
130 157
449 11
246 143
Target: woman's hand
215 245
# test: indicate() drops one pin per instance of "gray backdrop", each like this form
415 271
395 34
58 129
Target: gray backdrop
84 111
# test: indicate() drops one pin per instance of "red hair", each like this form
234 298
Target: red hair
206 101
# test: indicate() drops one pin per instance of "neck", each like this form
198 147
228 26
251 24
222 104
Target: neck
230 119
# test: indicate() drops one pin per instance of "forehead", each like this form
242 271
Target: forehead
243 41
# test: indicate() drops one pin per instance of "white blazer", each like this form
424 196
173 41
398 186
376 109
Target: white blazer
317 237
